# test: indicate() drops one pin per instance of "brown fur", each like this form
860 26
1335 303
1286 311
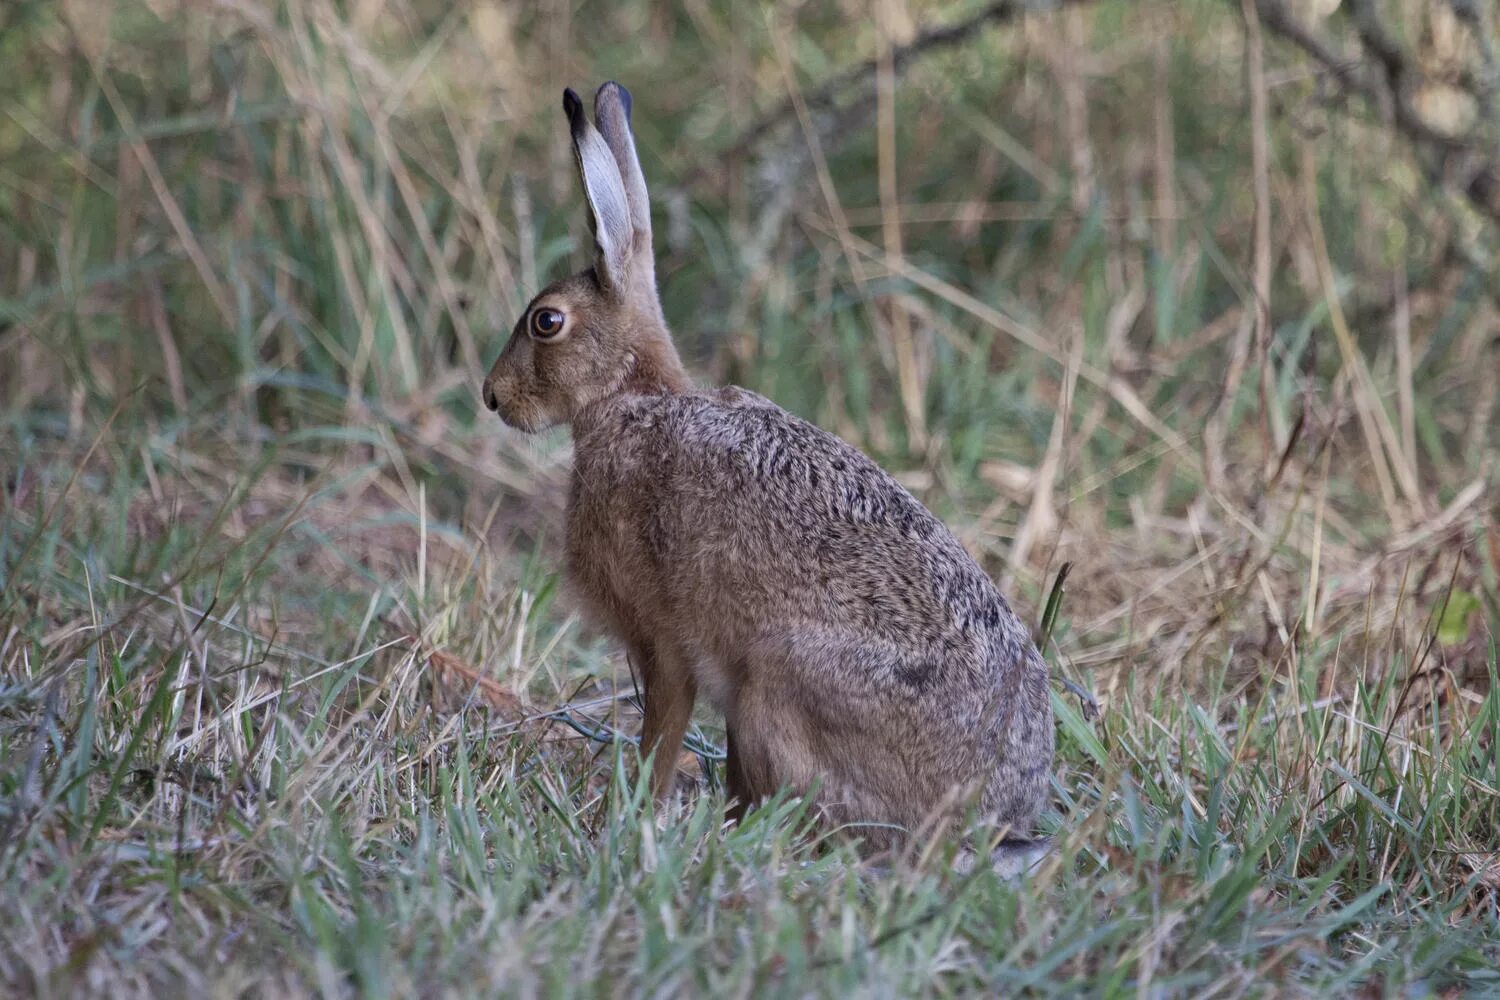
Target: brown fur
742 553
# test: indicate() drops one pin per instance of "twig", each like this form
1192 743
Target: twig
1453 162
828 95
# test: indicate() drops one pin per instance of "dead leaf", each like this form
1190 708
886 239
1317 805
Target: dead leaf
450 669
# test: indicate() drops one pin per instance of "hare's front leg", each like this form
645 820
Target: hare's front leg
670 690
737 786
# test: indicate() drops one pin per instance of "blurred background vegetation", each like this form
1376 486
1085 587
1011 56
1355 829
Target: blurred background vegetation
1200 298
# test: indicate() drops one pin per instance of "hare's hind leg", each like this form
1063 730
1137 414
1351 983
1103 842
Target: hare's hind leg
781 736
825 710
776 744
763 754
767 750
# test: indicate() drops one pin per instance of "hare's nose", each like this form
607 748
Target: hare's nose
489 396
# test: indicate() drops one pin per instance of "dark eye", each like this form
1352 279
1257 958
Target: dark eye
546 323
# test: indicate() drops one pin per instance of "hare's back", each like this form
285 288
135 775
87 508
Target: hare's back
737 500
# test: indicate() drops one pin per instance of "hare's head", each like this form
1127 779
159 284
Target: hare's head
601 331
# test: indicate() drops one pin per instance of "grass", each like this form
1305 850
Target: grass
291 701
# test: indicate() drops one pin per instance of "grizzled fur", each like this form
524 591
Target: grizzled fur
739 552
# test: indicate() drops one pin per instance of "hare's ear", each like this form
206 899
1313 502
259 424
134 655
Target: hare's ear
612 113
609 211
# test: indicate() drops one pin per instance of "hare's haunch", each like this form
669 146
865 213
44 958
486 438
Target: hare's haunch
852 644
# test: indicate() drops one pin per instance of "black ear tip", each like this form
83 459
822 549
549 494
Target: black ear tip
572 106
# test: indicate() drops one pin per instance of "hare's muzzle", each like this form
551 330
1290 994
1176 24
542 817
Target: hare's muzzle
513 404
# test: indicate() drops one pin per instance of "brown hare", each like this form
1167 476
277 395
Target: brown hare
857 652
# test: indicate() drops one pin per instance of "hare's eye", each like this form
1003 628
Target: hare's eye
546 323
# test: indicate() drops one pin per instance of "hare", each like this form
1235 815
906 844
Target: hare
857 652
